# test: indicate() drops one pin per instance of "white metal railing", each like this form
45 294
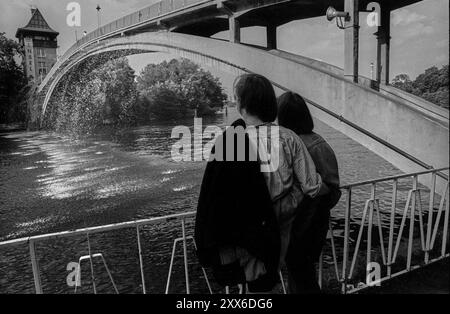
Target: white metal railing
412 209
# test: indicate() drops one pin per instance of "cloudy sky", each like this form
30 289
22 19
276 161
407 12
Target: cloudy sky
420 32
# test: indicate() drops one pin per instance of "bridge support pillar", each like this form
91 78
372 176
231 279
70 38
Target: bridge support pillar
351 41
271 30
235 29
383 47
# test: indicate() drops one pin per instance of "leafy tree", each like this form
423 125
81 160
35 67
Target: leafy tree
203 91
174 70
165 102
120 90
12 81
403 82
432 85
192 89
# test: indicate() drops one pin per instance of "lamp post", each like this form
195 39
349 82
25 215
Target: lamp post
98 15
372 67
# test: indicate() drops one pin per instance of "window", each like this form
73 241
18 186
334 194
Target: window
42 69
41 53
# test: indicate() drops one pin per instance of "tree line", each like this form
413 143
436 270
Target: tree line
13 84
112 95
432 85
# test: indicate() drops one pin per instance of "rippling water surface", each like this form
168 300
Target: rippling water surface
51 183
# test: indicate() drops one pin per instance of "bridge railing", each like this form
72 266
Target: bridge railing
395 205
144 15
395 253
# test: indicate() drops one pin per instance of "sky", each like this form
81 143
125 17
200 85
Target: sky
420 32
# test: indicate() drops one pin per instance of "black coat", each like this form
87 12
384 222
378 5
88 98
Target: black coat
235 209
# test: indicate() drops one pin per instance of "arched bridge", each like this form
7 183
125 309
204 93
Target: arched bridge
407 131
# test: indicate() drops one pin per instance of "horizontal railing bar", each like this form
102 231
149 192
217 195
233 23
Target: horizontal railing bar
98 229
400 176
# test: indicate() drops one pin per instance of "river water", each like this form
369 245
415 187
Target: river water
51 183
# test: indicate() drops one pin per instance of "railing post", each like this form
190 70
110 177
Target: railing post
370 223
141 263
35 267
430 218
186 270
438 217
411 223
444 233
365 213
91 263
391 226
346 240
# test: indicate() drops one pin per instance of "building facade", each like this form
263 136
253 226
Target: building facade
40 44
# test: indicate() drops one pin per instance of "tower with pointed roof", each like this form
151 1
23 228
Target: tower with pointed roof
40 44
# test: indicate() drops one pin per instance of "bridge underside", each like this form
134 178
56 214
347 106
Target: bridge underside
211 20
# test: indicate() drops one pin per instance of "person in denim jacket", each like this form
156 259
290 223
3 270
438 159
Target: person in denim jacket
310 226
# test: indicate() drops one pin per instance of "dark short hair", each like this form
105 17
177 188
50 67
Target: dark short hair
293 113
256 95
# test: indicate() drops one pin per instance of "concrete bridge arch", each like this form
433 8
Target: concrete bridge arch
410 137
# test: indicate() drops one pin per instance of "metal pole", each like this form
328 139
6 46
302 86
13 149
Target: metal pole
171 265
411 224
438 218
444 234
351 39
186 270
380 231
419 209
98 16
333 250
356 40
358 240
402 226
430 218
346 240
92 264
35 266
370 223
141 263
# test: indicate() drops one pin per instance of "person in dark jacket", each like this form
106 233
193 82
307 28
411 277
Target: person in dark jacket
310 227
235 210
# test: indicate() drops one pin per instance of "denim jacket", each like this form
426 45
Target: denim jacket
324 158
295 177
